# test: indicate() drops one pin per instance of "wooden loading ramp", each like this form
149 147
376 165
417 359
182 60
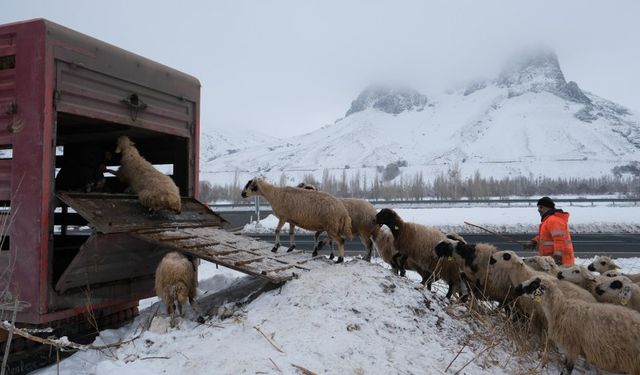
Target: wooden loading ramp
196 231
237 252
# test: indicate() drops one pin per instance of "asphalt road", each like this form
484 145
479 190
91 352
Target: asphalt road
622 245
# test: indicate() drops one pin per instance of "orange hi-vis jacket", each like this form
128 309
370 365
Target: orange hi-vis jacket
554 237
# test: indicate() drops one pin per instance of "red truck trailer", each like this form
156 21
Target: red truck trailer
65 98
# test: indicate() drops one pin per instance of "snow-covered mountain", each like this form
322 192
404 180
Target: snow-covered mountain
216 143
528 121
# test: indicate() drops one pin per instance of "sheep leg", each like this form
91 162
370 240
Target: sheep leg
316 246
340 241
278 227
194 306
171 312
292 237
399 260
368 245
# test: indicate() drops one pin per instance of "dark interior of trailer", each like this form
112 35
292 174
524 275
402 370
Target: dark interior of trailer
85 155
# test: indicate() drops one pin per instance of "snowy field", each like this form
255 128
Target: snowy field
353 318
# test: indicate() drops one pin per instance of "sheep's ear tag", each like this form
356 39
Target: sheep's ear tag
449 258
625 295
537 295
396 227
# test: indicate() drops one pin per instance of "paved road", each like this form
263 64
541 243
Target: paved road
586 245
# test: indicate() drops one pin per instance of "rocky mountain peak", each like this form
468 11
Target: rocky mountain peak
388 100
538 68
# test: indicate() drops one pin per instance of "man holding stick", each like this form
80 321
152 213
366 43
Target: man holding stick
553 237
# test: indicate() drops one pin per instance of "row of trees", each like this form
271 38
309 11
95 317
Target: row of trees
450 185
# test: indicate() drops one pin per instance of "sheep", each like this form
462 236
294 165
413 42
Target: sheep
619 290
604 263
308 209
363 221
543 264
415 244
580 276
608 336
155 190
510 263
475 258
176 284
384 244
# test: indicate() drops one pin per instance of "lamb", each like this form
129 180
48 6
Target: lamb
308 209
176 284
155 190
492 286
608 336
415 244
363 220
619 290
604 263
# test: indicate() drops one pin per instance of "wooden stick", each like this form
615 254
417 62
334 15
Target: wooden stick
454 358
268 339
495 234
304 370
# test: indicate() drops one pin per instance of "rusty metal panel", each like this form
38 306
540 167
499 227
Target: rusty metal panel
5 179
7 105
115 213
85 92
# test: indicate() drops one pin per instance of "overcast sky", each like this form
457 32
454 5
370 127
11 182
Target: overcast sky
290 67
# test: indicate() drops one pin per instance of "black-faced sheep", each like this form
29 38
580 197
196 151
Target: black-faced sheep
580 276
155 190
308 209
608 336
176 284
416 244
475 258
619 290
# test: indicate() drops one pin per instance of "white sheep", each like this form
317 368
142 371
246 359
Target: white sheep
308 209
416 245
580 276
542 263
604 263
608 336
363 221
155 190
511 264
619 290
175 284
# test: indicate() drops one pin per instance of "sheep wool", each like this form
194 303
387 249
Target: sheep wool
308 209
416 245
608 336
175 284
155 190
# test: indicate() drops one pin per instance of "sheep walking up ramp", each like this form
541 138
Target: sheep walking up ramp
119 223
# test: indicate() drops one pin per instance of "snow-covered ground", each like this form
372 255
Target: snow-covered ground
353 318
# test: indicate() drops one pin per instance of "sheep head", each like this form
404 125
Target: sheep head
251 188
123 143
613 273
534 288
506 259
602 263
615 289
576 274
388 217
304 185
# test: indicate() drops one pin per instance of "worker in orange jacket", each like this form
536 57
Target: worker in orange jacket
553 237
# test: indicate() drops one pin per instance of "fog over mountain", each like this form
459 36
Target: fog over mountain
527 121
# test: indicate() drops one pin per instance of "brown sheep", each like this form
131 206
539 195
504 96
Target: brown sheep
416 245
155 190
176 284
308 209
608 336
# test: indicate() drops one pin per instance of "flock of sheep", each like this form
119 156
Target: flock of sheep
591 311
